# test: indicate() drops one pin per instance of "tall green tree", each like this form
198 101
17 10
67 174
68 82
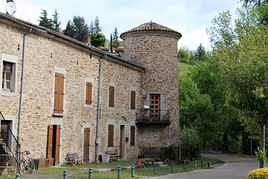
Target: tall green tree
45 21
200 52
245 66
55 21
115 38
77 29
97 27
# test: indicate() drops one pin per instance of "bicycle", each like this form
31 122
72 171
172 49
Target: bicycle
26 162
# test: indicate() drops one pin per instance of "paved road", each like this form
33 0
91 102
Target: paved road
234 168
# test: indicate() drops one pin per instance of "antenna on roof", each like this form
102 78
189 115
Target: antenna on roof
11 7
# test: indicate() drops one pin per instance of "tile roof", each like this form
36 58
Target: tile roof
59 35
152 27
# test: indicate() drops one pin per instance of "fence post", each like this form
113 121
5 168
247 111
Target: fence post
119 172
172 167
17 176
201 163
195 164
65 174
90 173
154 169
132 170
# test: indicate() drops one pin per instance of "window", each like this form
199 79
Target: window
132 135
59 93
88 93
155 106
111 96
8 76
110 135
133 100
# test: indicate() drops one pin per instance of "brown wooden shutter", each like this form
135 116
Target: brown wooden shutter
132 135
57 153
111 96
110 135
49 141
133 100
88 93
59 93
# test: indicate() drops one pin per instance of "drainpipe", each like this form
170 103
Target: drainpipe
98 111
20 99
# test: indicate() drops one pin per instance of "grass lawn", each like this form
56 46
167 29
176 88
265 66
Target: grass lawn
81 171
184 68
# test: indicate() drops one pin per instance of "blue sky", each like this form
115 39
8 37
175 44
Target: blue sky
189 17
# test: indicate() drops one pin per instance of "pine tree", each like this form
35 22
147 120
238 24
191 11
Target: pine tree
115 38
200 53
77 29
97 25
55 21
91 28
45 21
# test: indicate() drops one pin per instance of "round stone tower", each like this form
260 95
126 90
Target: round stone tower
155 46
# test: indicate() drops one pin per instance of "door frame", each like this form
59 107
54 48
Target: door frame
122 141
54 135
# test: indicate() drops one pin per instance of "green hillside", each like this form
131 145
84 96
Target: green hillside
183 68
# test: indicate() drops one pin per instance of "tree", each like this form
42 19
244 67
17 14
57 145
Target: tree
97 27
55 21
200 53
98 39
253 2
245 66
77 29
45 21
115 38
222 33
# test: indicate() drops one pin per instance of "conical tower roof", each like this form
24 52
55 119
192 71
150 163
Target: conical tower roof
150 27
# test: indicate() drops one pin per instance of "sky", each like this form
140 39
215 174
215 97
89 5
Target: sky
189 17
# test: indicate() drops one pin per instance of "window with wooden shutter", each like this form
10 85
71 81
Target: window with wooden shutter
132 135
59 93
89 93
110 135
133 100
111 96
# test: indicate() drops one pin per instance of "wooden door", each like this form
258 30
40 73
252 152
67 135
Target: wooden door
57 144
49 141
86 145
53 143
122 141
155 106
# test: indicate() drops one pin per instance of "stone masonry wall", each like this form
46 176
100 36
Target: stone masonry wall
45 56
159 54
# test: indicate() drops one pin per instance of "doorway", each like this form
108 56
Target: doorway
6 127
122 141
53 144
86 157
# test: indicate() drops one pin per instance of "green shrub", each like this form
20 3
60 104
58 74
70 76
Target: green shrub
260 173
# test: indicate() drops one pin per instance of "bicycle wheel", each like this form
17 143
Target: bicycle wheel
31 166
22 167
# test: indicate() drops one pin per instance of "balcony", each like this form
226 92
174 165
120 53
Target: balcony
146 117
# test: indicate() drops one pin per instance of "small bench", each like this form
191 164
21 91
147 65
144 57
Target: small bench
73 158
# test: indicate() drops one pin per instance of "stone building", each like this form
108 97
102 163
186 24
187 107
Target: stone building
62 96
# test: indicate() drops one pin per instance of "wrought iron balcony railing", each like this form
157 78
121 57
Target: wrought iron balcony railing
148 117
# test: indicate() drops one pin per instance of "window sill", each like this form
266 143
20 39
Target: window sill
7 93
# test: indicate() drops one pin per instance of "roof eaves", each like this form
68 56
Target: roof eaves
74 41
